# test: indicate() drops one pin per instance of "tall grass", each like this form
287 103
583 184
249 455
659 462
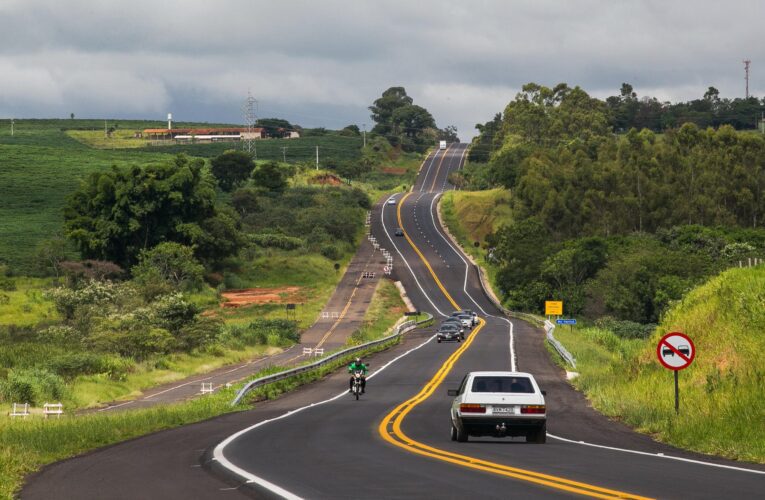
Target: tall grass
722 394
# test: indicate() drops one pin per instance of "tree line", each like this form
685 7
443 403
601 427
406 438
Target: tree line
618 224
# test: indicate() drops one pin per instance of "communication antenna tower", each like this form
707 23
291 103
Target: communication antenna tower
248 110
747 62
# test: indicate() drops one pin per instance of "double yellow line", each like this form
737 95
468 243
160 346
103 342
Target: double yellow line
390 427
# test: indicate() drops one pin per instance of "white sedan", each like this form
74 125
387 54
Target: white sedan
499 404
391 201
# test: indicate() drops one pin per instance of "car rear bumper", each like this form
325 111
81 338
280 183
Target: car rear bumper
513 426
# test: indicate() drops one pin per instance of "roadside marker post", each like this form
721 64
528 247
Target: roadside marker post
676 352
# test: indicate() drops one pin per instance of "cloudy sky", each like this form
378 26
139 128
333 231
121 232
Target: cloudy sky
321 63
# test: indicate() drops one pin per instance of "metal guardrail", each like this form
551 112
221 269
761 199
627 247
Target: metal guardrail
547 325
268 379
562 351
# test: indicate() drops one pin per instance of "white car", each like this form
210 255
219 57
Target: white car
391 201
499 404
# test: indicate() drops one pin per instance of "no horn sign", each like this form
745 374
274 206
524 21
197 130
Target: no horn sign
676 351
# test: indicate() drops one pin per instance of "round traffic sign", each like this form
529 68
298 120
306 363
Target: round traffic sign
676 351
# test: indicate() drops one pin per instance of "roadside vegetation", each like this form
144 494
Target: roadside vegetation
639 231
721 393
125 264
27 445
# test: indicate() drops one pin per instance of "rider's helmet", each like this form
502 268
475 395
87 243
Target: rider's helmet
358 360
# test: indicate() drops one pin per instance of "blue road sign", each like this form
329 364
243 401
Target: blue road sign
571 321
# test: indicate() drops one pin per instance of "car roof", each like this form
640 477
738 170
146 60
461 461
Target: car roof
500 373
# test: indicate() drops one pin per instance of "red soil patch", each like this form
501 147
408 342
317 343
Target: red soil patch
327 179
394 170
248 296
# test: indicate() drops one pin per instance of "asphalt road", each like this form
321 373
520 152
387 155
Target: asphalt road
336 447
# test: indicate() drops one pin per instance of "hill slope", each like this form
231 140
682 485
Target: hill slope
722 395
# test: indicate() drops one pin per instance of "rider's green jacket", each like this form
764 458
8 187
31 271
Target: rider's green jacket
361 366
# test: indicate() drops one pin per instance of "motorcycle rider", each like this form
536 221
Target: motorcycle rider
357 365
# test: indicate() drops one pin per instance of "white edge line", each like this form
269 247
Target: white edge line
657 455
219 457
382 222
467 269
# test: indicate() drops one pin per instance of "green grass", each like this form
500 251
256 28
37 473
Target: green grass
93 390
472 215
385 309
722 394
27 445
26 305
36 180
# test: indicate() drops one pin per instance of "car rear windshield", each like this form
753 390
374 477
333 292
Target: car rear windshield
503 384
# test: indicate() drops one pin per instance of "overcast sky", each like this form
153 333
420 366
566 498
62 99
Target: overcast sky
322 63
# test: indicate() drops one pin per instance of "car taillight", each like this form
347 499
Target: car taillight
472 408
533 409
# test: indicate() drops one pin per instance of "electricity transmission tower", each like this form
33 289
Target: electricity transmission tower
248 110
747 62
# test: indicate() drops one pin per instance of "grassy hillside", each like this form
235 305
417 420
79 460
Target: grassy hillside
722 393
472 215
478 213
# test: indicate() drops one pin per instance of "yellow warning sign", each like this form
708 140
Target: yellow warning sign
553 307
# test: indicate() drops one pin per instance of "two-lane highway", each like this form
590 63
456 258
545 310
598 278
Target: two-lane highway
395 443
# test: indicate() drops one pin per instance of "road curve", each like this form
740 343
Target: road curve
342 448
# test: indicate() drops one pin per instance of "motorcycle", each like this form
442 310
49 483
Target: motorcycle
357 383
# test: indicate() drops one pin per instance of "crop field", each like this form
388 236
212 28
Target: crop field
331 148
42 163
39 168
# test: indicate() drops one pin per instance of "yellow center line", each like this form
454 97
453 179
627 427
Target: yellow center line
390 427
427 264
438 169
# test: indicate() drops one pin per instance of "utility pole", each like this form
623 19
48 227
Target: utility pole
747 62
365 134
106 134
317 157
13 120
284 154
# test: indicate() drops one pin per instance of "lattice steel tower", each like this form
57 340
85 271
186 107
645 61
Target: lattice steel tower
747 62
249 109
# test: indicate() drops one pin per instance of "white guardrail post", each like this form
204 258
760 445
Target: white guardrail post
398 331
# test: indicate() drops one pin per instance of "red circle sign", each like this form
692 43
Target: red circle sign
676 351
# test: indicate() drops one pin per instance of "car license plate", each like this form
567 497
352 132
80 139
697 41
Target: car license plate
508 410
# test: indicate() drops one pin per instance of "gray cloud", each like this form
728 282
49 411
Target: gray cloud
323 63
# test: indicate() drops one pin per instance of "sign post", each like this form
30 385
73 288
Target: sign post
676 352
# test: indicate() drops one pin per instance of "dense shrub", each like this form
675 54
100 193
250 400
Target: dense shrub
282 241
83 363
278 332
626 329
34 386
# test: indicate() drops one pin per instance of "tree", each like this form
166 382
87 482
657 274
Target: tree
351 130
274 127
231 168
71 116
119 212
270 175
448 134
166 267
383 108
